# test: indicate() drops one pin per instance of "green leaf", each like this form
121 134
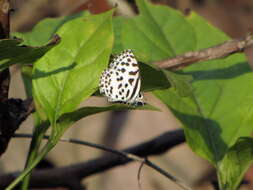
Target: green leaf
235 163
26 72
214 82
69 73
155 34
69 118
218 111
153 78
45 30
151 35
219 92
12 52
39 35
64 121
214 107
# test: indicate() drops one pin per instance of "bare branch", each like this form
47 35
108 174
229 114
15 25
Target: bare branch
12 113
215 52
139 176
4 84
63 176
4 19
4 33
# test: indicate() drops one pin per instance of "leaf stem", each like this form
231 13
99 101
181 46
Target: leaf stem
37 138
44 151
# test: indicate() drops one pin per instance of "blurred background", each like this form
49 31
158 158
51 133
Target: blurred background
123 129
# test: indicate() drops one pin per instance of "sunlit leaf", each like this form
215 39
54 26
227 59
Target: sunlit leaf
70 72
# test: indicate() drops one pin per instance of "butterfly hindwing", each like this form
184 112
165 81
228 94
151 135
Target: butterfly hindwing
121 82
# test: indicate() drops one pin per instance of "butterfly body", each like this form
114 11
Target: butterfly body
121 82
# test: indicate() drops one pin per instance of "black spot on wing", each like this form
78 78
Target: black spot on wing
119 86
127 94
133 72
120 78
136 89
130 81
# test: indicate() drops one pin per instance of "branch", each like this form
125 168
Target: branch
4 19
130 156
65 175
4 33
215 52
12 113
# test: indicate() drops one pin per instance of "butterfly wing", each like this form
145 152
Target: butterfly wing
103 81
121 81
129 81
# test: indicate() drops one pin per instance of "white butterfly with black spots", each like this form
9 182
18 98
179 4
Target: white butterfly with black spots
121 81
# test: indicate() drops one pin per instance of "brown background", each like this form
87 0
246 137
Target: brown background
234 17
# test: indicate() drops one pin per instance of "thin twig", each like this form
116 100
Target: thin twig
117 152
139 176
57 177
219 51
163 172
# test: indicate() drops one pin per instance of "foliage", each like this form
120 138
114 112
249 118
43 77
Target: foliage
13 52
209 98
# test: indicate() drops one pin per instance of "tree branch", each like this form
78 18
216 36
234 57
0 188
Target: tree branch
65 175
4 33
215 52
12 113
4 19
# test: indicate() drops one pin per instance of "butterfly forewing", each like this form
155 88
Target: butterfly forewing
121 81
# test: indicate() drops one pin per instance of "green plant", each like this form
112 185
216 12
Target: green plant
211 98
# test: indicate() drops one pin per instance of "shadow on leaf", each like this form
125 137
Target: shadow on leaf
40 74
205 130
224 73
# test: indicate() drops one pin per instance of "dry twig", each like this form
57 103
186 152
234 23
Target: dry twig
219 51
65 176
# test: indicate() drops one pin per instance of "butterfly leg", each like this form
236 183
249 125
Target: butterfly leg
139 100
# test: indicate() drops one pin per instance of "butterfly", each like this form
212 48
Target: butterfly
121 81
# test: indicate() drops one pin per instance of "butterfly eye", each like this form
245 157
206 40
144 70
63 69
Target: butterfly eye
121 82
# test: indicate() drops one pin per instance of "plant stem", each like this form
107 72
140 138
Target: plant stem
27 170
37 138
